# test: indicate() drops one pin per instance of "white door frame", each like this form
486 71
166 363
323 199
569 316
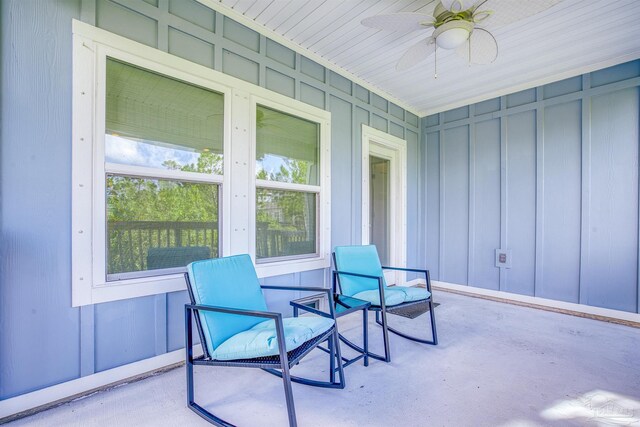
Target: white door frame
384 145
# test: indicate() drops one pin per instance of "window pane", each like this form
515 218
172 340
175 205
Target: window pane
287 147
159 223
285 223
156 121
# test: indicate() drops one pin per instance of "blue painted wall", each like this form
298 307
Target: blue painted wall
39 331
43 340
549 173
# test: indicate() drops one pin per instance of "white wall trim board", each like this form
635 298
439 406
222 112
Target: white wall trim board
229 12
69 390
580 310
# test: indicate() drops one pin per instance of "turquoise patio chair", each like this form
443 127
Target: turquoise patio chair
236 330
359 274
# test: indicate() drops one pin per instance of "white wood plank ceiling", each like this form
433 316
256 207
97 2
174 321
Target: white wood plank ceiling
572 37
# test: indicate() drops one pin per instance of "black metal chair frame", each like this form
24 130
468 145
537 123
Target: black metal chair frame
363 306
381 310
278 365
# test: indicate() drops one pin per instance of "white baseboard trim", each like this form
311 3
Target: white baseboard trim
50 396
606 314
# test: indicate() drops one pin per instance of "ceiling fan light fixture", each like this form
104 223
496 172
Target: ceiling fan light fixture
450 39
452 34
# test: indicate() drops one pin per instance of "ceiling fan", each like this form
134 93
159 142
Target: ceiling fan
463 25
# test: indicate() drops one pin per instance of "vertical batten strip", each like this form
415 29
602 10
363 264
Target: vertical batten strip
441 200
163 25
262 65
356 179
423 150
471 274
539 221
503 185
160 301
297 81
88 12
217 46
638 265
421 247
586 187
87 341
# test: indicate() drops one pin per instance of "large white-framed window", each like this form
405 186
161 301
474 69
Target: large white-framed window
292 179
164 171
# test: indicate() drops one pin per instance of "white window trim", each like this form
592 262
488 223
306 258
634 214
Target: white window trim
91 45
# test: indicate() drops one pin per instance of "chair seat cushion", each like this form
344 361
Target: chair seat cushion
391 296
413 293
261 340
394 295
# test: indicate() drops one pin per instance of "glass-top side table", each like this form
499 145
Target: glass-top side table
342 305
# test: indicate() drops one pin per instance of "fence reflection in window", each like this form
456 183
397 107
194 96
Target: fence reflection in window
285 223
155 224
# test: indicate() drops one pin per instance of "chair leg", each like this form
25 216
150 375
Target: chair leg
191 404
338 358
432 312
288 393
385 334
365 335
332 360
189 357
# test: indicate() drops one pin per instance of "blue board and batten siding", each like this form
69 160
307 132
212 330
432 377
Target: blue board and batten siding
43 340
549 174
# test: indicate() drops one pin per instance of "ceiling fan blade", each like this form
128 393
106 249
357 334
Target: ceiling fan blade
399 21
504 12
417 53
456 5
481 48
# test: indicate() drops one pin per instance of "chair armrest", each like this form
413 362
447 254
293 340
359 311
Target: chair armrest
413 270
298 288
238 311
348 273
306 289
300 306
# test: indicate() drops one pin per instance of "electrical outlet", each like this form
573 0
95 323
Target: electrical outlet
503 258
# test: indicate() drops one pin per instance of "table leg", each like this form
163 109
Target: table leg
365 335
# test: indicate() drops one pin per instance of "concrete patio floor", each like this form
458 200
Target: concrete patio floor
496 365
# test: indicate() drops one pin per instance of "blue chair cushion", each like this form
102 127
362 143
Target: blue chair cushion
412 293
261 340
391 296
361 260
394 295
226 282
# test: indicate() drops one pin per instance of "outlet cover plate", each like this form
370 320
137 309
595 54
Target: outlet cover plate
503 258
